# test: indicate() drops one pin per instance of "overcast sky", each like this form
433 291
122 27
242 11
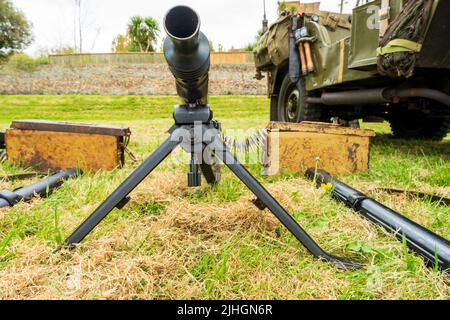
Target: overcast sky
232 23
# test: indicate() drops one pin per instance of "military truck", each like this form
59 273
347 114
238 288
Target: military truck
388 60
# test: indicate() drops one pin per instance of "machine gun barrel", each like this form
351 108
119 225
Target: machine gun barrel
187 53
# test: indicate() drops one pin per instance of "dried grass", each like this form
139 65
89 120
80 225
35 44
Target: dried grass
172 242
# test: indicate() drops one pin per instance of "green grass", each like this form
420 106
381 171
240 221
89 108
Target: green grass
174 242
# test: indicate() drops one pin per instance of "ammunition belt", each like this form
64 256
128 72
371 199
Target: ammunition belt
253 143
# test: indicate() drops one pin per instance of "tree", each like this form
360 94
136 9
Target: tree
161 49
84 23
293 9
251 46
63 50
15 30
143 33
281 6
80 28
122 43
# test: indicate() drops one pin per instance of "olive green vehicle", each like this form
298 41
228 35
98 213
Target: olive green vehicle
388 60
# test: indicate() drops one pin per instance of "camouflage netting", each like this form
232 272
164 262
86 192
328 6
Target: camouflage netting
411 25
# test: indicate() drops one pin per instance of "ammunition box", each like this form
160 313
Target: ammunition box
46 145
295 147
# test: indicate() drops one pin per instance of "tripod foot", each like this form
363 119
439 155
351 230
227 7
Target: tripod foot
259 204
265 199
209 167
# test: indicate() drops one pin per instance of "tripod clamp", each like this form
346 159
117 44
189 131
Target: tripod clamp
199 135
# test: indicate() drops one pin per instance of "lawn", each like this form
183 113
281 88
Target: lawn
174 242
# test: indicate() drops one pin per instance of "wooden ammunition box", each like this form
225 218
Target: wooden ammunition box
295 147
46 145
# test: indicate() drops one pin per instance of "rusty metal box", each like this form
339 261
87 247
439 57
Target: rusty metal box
296 147
47 145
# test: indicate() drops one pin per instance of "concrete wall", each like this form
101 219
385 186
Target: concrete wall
238 57
145 79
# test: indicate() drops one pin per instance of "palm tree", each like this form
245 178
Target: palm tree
281 6
143 32
152 28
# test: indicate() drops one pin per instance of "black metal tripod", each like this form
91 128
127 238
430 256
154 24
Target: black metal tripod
198 134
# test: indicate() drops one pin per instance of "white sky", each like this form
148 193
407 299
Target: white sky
232 23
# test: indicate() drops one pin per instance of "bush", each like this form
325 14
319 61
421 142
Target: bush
23 62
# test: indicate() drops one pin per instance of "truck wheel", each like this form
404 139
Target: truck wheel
415 125
291 103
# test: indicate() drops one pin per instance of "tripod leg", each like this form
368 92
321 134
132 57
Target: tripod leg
285 218
209 166
116 198
208 173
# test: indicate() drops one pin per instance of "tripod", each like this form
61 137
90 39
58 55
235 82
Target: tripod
199 135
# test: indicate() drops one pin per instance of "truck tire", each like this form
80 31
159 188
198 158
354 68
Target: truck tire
416 125
291 105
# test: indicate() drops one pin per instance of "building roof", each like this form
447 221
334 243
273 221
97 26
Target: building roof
303 7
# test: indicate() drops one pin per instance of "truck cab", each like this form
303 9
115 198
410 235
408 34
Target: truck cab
387 60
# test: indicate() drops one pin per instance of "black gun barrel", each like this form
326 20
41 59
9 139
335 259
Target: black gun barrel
431 246
42 188
187 53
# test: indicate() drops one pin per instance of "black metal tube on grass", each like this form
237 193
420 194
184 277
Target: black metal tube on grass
42 188
2 140
431 246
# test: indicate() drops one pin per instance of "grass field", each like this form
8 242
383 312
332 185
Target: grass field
212 243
